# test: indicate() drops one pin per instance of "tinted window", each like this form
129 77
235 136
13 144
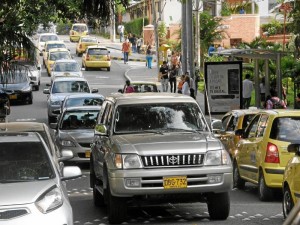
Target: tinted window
79 28
167 116
70 87
286 129
98 51
73 120
24 161
17 77
81 101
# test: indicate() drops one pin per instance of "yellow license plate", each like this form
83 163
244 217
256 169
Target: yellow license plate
87 154
12 96
175 182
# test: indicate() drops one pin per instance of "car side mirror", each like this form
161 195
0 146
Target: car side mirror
217 126
46 91
95 90
66 155
101 129
71 172
295 147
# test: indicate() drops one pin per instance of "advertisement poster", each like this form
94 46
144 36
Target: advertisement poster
223 82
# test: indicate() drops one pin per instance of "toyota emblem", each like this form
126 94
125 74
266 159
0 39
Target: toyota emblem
173 160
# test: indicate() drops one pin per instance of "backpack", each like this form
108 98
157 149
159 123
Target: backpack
277 104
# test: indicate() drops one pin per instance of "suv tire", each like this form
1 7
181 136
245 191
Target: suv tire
117 208
238 182
287 203
218 205
265 193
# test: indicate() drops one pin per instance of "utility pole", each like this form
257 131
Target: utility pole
112 22
183 37
197 31
190 43
155 34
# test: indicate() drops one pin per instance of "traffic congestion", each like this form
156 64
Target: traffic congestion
77 149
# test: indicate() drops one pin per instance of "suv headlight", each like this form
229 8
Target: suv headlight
50 200
216 158
127 161
67 143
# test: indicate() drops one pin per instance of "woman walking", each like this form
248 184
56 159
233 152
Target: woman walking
172 78
149 57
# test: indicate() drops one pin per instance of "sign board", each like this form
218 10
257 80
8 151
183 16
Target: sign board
223 81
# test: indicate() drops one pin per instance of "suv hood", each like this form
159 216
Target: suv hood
147 144
23 192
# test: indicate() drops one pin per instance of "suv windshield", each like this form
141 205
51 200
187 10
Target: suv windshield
286 129
166 117
24 161
70 87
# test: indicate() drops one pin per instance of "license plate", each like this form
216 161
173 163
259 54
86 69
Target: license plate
87 154
175 182
12 96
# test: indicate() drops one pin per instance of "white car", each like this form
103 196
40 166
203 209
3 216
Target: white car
44 37
66 68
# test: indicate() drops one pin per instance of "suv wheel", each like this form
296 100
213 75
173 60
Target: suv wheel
117 209
265 193
238 182
218 205
287 203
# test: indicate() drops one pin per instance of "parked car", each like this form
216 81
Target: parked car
261 155
234 120
60 88
43 38
66 67
32 189
78 30
75 131
143 86
56 54
83 42
96 57
50 45
291 180
19 85
149 145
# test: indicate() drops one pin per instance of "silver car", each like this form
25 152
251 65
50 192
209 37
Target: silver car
75 131
60 88
32 190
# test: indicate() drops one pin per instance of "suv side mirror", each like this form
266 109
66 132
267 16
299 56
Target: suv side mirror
101 129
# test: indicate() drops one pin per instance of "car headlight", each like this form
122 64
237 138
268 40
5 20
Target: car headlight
26 89
55 102
50 200
218 157
127 161
67 143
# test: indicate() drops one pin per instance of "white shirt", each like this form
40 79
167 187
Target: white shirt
121 28
247 88
186 89
262 88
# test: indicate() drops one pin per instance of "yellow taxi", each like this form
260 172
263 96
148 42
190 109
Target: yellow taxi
50 45
83 43
56 54
96 57
291 180
261 155
78 30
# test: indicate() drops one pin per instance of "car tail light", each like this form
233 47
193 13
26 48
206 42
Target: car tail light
87 57
108 58
72 33
272 155
80 46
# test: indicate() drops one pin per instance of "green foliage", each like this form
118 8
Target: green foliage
136 26
225 11
63 28
213 58
162 32
295 18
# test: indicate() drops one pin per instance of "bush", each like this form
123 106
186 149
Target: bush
136 26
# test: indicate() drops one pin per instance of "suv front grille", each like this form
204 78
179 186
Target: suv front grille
12 213
172 160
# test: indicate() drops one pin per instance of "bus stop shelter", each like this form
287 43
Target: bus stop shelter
258 54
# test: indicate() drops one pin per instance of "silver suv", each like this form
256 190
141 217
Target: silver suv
150 145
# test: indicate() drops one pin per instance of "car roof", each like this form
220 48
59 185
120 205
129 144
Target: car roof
47 34
96 46
240 112
55 42
58 50
282 112
19 137
66 60
22 126
69 79
84 95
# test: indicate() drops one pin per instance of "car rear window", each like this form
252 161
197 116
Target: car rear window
59 55
94 40
49 38
82 101
50 46
98 51
286 129
79 28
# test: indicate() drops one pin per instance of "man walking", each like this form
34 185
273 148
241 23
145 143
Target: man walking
247 90
125 50
164 76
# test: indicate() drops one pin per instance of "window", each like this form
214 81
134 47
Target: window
262 126
85 119
251 129
98 51
286 129
225 120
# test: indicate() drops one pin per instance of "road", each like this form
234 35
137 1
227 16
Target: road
245 205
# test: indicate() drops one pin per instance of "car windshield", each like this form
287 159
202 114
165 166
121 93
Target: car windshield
24 161
70 87
145 88
286 129
17 77
56 45
66 67
90 40
74 120
59 55
82 101
98 51
79 28
46 38
160 117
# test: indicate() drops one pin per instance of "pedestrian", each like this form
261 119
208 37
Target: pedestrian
297 102
262 88
172 78
180 83
126 50
164 76
211 49
186 86
247 91
192 86
133 41
275 102
121 32
139 43
175 61
149 57
127 87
